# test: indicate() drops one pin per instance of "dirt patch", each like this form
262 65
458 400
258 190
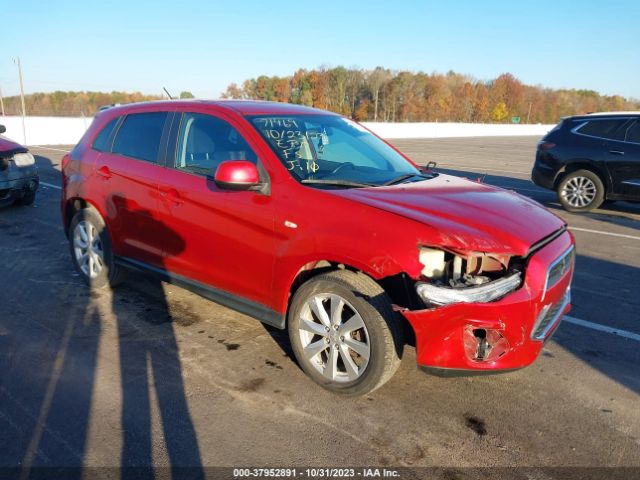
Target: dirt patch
271 363
251 385
230 346
476 424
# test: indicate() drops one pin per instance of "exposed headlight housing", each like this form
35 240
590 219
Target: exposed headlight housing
466 277
23 159
487 292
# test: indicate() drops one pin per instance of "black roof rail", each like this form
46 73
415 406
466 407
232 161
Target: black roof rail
106 107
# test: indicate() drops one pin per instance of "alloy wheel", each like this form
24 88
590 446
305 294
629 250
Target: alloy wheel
88 250
334 337
579 192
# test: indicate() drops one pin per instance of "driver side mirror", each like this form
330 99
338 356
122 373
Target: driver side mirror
3 129
237 175
429 167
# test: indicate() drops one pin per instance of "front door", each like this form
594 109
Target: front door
228 235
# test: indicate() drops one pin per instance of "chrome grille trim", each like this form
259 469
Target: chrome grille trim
558 269
549 317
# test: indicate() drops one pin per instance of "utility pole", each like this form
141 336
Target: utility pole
24 111
1 103
529 113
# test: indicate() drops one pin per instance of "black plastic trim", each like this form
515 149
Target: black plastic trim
545 241
462 372
240 304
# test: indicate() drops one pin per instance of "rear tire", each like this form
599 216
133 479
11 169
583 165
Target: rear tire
91 252
344 333
580 191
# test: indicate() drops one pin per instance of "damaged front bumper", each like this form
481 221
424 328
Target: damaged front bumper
503 335
16 182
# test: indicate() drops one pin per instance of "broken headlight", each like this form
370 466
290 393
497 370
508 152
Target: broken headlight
23 159
473 277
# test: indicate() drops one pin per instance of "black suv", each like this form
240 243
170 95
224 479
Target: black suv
591 158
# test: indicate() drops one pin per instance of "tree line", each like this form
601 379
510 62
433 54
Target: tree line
73 104
374 95
401 96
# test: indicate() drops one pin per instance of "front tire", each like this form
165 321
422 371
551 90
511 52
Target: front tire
344 332
91 252
581 191
26 200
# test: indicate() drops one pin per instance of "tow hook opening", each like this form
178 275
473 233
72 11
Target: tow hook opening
484 344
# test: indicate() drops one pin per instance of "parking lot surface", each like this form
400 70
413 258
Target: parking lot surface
152 374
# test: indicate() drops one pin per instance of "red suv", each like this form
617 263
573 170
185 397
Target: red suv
306 220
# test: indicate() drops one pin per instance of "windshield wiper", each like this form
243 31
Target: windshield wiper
340 183
402 178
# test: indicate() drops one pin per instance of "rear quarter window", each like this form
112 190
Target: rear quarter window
608 129
633 133
102 143
139 136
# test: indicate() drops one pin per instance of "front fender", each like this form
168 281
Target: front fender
377 251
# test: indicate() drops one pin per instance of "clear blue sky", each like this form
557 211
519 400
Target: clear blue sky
202 46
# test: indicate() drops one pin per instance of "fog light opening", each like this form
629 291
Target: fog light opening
484 348
484 344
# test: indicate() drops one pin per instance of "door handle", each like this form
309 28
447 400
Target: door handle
104 172
172 196
617 152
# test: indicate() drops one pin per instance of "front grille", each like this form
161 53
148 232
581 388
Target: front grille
549 317
560 267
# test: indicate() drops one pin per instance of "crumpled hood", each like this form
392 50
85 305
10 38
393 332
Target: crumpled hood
474 216
7 145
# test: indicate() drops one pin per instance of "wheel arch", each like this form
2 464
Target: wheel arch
399 287
73 206
583 165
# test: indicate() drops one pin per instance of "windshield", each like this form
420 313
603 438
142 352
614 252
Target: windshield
328 150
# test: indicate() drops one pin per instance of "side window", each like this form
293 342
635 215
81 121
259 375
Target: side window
205 141
633 132
102 143
603 128
139 136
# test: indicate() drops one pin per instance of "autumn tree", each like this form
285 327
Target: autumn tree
233 91
375 80
499 112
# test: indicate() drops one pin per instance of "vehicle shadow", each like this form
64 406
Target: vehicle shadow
47 358
281 338
53 376
617 213
150 366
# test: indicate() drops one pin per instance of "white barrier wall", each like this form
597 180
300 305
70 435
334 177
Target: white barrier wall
68 130
46 130
449 130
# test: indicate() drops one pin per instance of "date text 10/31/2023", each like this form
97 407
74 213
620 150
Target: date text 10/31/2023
315 473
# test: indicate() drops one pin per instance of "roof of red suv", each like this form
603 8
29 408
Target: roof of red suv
243 107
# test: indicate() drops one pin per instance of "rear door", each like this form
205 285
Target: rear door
623 161
228 235
128 177
599 143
